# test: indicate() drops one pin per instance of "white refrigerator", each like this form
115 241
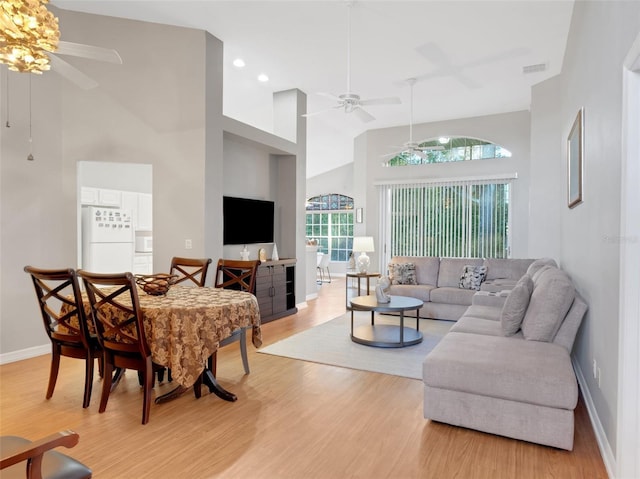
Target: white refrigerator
107 240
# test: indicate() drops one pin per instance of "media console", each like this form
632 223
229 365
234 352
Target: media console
275 289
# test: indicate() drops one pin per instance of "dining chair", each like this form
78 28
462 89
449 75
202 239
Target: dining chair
187 269
115 308
41 460
323 265
65 322
239 275
190 269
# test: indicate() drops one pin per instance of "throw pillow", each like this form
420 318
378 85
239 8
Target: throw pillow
472 277
402 273
552 296
515 306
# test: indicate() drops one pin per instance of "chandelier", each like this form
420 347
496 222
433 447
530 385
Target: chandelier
28 32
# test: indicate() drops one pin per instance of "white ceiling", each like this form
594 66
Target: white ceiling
477 52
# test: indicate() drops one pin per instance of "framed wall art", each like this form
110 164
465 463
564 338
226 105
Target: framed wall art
575 160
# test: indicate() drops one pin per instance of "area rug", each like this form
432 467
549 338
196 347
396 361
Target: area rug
330 343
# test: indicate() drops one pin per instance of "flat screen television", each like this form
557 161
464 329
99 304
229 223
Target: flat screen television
247 221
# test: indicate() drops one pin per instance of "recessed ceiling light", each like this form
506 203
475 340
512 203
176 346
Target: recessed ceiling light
238 62
262 77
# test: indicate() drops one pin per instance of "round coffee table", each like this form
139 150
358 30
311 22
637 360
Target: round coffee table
386 335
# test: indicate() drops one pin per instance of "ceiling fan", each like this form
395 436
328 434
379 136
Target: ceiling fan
91 52
412 147
434 54
351 102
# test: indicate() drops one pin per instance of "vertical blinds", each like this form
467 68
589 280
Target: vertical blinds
450 218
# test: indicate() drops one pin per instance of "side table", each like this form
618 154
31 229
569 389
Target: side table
359 277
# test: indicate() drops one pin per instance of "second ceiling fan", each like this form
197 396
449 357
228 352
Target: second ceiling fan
351 102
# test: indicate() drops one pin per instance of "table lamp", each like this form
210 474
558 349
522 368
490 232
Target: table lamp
364 244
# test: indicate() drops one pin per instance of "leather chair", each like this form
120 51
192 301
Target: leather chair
66 327
34 460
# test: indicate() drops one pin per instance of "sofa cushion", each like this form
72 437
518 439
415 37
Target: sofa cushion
483 311
506 268
539 263
515 306
419 291
452 295
553 294
507 368
472 277
497 285
451 270
402 273
427 267
476 325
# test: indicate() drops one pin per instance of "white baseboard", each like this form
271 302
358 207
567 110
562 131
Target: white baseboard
14 356
603 443
312 296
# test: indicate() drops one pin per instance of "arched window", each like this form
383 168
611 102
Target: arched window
330 222
445 149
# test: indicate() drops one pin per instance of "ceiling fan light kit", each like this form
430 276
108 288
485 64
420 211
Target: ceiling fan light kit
29 32
350 102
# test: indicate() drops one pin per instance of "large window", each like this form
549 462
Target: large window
447 149
330 222
467 218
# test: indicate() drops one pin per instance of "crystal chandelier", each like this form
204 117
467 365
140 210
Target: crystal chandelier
28 32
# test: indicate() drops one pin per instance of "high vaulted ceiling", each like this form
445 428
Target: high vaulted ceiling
468 57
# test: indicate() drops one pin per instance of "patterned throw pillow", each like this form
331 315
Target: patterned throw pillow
472 277
402 273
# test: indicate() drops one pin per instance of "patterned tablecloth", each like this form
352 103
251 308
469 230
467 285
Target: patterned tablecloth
184 326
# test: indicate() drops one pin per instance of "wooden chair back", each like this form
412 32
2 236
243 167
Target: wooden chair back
190 269
236 274
115 309
56 288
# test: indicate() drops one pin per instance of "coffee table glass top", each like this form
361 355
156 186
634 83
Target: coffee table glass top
397 303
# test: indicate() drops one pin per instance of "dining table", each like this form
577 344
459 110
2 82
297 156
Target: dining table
185 326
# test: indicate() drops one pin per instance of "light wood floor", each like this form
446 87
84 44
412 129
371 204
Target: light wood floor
293 419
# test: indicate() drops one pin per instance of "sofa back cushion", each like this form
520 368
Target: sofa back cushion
566 335
451 269
515 306
539 263
427 267
506 268
553 294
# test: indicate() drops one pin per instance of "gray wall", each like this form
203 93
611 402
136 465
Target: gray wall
601 34
510 130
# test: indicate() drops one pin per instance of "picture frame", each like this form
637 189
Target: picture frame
358 215
575 160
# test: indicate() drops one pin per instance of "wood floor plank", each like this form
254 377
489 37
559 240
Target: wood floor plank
293 419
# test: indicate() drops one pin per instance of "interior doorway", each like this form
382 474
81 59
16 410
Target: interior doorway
628 438
123 191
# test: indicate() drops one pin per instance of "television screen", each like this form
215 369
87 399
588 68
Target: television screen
247 221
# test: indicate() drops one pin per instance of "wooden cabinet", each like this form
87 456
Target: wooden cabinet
275 289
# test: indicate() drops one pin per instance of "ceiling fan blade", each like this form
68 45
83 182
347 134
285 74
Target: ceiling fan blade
71 73
363 115
89 51
392 100
322 111
434 54
430 148
506 55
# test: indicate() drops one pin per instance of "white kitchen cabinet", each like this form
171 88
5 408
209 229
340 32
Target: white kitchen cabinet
145 211
109 198
88 196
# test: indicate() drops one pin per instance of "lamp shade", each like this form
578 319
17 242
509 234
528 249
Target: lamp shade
363 244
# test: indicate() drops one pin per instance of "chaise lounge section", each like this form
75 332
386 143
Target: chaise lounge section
505 366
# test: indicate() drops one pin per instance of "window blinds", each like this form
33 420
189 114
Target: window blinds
447 218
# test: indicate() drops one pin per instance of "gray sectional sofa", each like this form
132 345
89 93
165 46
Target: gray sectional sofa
436 281
505 366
